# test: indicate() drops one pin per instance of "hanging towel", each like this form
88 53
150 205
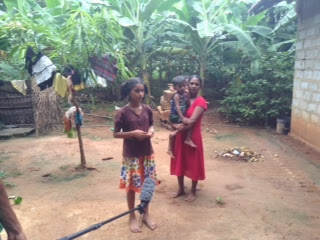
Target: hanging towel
60 85
20 85
43 70
101 82
103 67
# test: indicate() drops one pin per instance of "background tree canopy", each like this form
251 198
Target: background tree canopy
245 60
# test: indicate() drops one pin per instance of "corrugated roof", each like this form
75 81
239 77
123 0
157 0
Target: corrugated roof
263 5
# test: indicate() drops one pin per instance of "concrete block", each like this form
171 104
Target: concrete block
296 84
295 103
307 43
308 75
316 64
299 74
309 54
300 55
314 118
298 94
307 95
305 116
299 45
302 34
313 86
304 85
312 107
309 64
316 97
311 31
300 64
316 75
316 42
296 112
302 105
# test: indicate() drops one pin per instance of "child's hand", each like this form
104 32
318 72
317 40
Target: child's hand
185 120
140 135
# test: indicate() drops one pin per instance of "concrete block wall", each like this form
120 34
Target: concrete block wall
305 120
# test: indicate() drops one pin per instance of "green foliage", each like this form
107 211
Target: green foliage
18 200
263 98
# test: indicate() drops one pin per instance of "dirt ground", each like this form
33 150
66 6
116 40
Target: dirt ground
277 198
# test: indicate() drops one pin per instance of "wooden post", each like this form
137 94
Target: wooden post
83 161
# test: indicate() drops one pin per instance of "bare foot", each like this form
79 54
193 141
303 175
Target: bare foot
178 193
134 224
147 220
191 197
190 143
170 153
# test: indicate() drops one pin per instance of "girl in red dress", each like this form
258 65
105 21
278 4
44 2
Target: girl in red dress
189 161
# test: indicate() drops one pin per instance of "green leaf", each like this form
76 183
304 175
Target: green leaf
1 227
53 3
205 29
261 30
244 39
17 200
287 18
126 22
10 4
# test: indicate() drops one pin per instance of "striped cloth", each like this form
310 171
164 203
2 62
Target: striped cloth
103 67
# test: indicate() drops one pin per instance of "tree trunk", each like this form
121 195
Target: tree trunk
82 156
145 78
202 75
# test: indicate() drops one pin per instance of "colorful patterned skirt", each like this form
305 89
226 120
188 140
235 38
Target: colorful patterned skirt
135 170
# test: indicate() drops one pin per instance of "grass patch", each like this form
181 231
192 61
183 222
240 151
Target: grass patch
9 184
226 137
4 158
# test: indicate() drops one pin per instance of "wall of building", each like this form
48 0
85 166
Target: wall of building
305 121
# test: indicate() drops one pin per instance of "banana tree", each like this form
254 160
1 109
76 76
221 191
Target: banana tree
136 17
210 23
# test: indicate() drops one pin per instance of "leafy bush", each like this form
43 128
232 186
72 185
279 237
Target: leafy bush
262 98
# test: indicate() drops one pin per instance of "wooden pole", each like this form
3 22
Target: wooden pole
83 162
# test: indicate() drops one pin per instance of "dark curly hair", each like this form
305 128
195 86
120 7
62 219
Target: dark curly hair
129 85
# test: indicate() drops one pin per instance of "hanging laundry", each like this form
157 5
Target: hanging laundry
20 86
40 67
71 119
101 82
60 85
77 84
43 72
104 67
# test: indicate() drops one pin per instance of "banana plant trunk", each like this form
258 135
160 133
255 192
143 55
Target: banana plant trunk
145 78
202 75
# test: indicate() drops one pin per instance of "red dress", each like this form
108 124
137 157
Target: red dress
189 161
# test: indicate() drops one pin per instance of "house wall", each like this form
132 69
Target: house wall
305 121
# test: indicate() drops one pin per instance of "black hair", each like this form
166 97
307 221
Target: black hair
177 80
129 85
197 77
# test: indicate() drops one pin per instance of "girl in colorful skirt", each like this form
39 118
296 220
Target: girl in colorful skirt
134 123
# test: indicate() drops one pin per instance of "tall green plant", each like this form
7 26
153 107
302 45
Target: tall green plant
135 16
209 24
262 98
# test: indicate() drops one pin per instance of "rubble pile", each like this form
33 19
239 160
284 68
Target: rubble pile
241 154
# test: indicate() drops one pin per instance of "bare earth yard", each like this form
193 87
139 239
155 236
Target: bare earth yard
277 198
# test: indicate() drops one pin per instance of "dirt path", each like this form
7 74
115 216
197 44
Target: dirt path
278 198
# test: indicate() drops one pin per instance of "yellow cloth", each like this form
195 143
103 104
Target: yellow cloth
20 85
60 85
78 87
